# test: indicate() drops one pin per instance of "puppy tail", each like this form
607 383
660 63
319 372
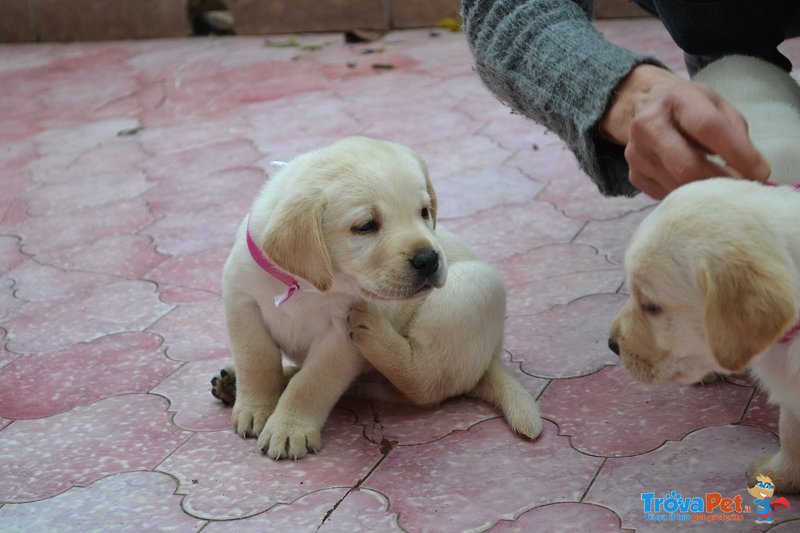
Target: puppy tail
499 388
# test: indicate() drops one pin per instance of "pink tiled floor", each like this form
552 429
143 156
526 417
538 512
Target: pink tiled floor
124 169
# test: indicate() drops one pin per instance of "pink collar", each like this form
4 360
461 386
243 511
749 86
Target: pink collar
261 260
795 186
792 333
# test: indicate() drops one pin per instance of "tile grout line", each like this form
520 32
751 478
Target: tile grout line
594 478
355 488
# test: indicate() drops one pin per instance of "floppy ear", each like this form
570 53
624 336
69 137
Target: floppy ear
428 185
294 241
748 304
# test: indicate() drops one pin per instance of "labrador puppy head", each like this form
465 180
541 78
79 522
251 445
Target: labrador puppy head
360 213
709 286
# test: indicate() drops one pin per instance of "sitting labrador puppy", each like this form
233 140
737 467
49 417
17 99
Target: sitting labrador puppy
341 266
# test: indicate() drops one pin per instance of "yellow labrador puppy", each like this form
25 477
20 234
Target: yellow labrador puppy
769 99
714 271
341 266
714 278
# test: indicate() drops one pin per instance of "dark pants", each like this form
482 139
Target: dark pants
708 29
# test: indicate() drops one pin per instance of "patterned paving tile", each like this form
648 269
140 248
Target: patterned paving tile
326 510
720 453
44 457
446 485
578 197
760 413
67 233
133 501
556 274
446 165
627 418
37 282
90 192
409 425
109 308
611 236
190 193
563 518
77 138
216 224
458 192
201 271
193 164
6 357
194 332
51 383
124 256
189 393
226 477
546 343
10 254
500 233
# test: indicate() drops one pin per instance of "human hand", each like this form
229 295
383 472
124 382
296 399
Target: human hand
669 126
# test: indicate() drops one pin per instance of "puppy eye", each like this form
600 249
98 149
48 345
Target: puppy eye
651 309
370 226
426 213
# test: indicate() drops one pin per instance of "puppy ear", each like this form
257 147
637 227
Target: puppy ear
429 186
748 304
432 195
294 241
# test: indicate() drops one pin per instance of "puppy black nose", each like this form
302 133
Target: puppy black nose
426 262
613 346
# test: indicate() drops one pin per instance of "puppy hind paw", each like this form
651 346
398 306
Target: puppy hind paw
223 386
365 325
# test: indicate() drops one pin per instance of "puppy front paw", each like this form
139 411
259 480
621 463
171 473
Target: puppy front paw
249 420
285 437
784 474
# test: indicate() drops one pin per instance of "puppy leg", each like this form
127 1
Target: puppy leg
784 466
223 384
295 427
499 388
257 360
449 346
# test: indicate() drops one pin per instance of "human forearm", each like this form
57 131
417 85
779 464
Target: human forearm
546 61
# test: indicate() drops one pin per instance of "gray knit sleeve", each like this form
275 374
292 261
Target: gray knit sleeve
545 60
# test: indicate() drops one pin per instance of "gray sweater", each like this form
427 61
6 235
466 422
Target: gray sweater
545 60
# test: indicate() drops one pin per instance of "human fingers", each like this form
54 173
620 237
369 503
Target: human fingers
716 126
661 159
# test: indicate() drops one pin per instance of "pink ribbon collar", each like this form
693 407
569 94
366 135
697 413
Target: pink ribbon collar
261 260
795 186
790 335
